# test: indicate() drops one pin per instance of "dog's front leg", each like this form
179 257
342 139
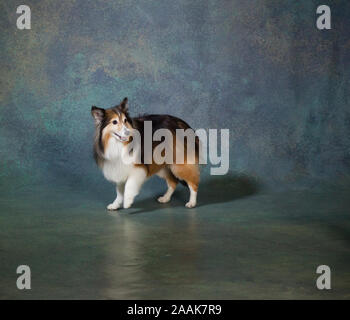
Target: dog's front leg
133 186
117 203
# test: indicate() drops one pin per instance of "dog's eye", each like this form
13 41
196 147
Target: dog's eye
115 122
125 120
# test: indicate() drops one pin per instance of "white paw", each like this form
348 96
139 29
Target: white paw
163 199
127 204
190 204
113 206
128 201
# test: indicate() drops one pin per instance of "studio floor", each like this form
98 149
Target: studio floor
239 243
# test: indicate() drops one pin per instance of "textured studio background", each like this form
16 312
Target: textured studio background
260 68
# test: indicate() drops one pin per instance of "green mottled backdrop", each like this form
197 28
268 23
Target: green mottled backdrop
260 68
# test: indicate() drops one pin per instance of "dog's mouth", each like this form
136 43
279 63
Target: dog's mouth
119 137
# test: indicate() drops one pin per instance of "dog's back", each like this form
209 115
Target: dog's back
164 121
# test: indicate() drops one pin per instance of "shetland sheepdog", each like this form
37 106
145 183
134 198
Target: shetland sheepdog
114 130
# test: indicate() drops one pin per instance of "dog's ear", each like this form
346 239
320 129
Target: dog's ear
124 105
98 114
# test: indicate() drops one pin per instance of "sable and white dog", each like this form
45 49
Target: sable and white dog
114 130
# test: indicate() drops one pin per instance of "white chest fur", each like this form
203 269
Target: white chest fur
114 168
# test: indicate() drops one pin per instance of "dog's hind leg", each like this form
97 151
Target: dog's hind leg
171 181
190 174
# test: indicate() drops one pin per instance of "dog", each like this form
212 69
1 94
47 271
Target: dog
114 131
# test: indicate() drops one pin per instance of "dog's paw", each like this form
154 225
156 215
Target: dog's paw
163 199
127 204
128 201
190 204
113 206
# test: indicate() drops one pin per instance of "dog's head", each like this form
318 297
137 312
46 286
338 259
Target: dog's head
114 122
